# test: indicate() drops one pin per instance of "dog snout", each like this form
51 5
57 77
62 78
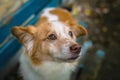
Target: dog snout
75 49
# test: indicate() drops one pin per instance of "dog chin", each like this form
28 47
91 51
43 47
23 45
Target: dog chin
73 58
70 59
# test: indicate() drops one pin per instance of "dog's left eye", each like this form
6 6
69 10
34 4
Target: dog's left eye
70 33
52 37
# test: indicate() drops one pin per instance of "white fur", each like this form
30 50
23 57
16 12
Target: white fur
46 71
28 40
49 70
59 28
62 31
29 45
50 17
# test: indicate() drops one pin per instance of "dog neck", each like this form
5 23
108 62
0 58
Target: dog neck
47 71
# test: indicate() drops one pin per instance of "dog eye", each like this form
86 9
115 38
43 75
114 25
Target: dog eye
52 37
70 33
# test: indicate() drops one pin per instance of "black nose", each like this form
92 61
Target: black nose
75 48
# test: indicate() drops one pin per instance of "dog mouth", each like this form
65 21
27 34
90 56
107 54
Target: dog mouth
69 59
73 58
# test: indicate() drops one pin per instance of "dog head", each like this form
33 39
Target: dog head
55 41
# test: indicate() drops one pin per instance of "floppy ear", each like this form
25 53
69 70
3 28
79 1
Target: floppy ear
25 35
77 29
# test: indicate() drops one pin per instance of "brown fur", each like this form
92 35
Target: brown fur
64 16
39 35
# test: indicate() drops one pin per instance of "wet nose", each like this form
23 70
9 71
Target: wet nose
75 48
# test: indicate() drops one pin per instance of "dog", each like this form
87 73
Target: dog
51 51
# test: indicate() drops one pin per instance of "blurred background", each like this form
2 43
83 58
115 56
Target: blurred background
100 49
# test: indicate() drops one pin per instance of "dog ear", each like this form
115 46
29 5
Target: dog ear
25 35
77 29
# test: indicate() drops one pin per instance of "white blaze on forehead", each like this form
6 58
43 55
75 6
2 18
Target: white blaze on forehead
60 28
50 17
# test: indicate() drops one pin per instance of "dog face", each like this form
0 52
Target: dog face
55 41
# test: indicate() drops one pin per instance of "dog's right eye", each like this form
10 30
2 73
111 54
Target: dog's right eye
70 33
52 37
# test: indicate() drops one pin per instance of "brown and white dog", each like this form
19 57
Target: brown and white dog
51 51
